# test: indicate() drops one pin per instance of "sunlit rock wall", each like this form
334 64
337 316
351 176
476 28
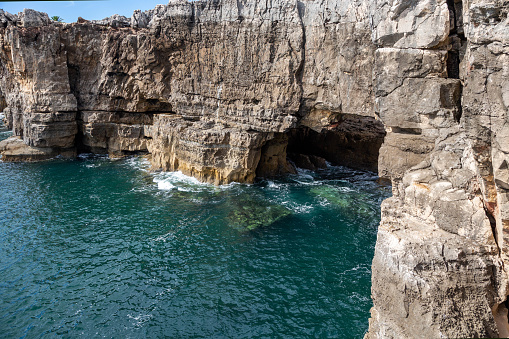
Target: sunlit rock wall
223 90
441 91
185 71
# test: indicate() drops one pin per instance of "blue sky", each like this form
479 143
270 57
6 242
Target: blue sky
90 10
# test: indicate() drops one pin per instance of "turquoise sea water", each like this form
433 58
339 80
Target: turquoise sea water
103 248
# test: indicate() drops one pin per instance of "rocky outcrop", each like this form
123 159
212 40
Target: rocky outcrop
227 91
236 74
440 260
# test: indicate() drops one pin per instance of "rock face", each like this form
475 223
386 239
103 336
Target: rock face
440 266
208 88
225 91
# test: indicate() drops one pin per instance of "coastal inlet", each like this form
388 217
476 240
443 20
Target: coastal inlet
102 247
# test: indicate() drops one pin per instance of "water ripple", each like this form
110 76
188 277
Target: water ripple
100 247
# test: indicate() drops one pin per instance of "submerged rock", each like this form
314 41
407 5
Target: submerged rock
248 214
351 203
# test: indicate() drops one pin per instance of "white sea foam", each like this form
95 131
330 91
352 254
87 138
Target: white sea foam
181 182
324 202
163 184
345 189
92 165
272 184
275 185
140 319
165 237
139 163
362 269
85 155
177 180
304 177
298 208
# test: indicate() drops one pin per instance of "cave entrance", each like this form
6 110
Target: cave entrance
343 140
349 140
5 118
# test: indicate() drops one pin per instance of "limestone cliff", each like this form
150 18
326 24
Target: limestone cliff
227 90
440 266
207 88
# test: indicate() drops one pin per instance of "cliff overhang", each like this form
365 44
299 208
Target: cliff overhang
227 91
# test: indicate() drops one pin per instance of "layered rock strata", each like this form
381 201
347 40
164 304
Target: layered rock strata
225 90
205 87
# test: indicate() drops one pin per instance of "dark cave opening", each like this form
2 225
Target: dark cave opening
457 39
353 141
3 118
348 140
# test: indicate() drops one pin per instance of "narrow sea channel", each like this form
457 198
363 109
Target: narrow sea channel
96 247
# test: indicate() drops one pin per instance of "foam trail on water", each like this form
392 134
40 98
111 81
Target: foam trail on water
180 181
139 163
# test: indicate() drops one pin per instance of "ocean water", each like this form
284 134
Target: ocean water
96 247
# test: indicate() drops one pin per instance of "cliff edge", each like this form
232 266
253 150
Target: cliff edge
230 90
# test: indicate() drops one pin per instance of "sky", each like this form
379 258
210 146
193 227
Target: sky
90 10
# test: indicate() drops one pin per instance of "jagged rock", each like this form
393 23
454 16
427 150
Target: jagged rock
140 19
7 19
115 21
31 18
221 90
303 161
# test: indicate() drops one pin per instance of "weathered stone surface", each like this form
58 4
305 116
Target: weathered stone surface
31 18
222 90
410 24
441 255
15 150
245 66
338 58
115 21
222 154
114 132
395 65
7 19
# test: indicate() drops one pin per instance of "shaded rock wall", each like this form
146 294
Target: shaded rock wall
223 90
